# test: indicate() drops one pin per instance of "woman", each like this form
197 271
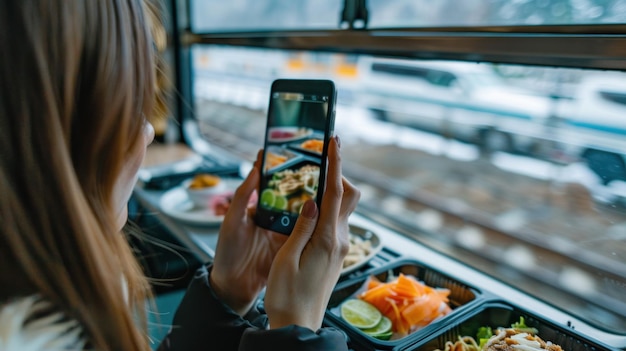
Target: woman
77 90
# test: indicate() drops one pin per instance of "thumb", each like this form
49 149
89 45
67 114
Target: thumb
304 227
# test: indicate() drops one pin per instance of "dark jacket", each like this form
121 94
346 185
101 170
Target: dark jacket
202 321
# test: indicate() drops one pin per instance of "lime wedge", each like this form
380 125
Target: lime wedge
381 329
385 336
360 314
280 202
268 198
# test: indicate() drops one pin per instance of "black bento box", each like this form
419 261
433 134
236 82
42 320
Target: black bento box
502 314
462 297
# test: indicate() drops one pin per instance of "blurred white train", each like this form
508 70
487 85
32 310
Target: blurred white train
472 103
464 101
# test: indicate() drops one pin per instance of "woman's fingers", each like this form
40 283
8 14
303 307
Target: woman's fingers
239 203
259 158
331 199
302 230
351 197
241 198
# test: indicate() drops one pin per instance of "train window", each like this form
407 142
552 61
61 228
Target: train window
254 15
244 15
484 171
504 148
403 13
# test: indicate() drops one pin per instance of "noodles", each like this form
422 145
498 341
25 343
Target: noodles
466 343
505 339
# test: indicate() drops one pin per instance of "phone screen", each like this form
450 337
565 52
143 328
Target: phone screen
293 170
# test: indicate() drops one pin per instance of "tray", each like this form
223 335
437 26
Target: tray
363 234
501 314
462 297
298 147
290 157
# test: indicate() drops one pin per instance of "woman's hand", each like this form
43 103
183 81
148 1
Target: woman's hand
308 265
244 252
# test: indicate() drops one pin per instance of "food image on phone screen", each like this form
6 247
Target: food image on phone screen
298 127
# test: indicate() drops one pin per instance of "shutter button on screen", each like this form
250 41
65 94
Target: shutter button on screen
284 221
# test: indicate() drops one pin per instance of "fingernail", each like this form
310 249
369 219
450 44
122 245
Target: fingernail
309 209
338 141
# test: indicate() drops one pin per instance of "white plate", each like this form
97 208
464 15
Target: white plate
176 204
375 248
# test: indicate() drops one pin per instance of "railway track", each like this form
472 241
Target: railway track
528 265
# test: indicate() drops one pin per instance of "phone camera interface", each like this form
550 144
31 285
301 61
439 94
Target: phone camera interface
293 154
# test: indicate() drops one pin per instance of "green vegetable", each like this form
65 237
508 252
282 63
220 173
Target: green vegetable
521 326
483 335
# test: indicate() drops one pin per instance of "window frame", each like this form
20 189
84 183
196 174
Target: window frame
575 46
601 46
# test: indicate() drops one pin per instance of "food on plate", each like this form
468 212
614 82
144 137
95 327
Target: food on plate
202 187
274 160
221 202
201 181
407 302
516 338
360 248
315 145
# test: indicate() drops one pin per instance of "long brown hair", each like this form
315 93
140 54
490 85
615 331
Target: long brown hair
76 83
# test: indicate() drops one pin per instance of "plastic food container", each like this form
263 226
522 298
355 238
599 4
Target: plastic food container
501 314
277 156
461 298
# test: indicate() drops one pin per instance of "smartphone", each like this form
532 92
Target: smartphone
300 122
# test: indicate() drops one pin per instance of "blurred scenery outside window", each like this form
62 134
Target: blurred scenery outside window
248 15
518 171
410 13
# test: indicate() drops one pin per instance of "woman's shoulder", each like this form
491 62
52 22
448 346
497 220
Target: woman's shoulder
31 323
